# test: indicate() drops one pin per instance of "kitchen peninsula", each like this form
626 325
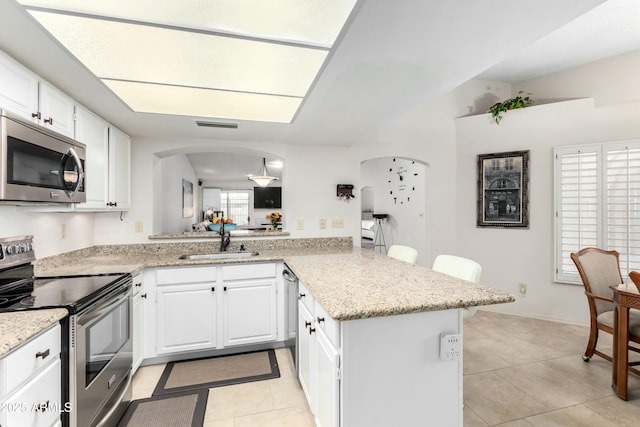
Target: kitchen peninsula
386 319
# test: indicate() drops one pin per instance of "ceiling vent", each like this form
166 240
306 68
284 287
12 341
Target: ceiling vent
217 125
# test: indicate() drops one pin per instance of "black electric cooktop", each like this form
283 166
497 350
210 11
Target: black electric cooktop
73 292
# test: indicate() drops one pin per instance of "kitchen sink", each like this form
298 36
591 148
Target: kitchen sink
220 255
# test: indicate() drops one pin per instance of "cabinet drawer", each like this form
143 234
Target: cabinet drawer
38 403
305 297
185 275
29 358
248 271
330 326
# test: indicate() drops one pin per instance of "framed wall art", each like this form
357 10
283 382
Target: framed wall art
187 198
503 190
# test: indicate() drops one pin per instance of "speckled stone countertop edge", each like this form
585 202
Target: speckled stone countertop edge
16 328
349 282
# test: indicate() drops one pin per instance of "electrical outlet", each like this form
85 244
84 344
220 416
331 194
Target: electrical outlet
63 231
450 346
337 223
300 224
523 289
323 223
139 226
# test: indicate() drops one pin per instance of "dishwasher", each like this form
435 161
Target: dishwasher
291 319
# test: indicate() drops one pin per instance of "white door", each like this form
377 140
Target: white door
119 170
327 383
57 110
250 311
94 133
18 89
186 317
306 350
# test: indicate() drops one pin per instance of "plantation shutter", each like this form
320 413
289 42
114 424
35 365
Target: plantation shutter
578 207
623 203
597 200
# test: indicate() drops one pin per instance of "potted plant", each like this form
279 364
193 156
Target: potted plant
498 109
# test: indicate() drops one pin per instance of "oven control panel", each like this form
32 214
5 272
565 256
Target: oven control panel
16 250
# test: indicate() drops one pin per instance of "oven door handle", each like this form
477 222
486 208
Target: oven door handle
95 312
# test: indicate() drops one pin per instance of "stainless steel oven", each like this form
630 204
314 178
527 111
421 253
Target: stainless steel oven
100 359
97 350
39 165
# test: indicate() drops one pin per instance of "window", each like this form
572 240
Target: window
597 203
235 205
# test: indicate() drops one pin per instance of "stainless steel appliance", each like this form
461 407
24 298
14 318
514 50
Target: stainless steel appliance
39 165
291 318
97 350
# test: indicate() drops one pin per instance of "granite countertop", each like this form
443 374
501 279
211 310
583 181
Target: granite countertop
349 282
18 327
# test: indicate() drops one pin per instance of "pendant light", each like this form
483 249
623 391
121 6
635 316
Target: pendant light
264 179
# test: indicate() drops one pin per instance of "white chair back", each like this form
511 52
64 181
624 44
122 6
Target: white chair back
462 268
403 253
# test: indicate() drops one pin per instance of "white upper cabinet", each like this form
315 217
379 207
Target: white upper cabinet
119 170
108 165
92 131
18 89
56 110
25 94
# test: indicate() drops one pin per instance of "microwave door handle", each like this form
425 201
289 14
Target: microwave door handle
72 153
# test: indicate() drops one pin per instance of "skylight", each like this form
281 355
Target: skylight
231 59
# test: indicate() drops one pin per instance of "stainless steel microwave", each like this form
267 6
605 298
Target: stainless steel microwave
39 165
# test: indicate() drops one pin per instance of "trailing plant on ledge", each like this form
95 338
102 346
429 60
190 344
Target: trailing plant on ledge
498 109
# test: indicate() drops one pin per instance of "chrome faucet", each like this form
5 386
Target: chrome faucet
225 236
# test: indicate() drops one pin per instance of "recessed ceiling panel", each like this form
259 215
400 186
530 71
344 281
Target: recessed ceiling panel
122 51
316 22
184 101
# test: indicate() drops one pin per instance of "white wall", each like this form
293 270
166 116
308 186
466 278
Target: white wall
406 223
510 257
311 174
173 170
427 133
46 229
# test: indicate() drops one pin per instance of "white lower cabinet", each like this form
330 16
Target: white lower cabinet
327 382
306 350
211 307
139 297
186 317
249 311
319 360
30 382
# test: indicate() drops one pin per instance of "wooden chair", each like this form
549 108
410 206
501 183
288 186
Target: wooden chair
462 268
600 269
403 253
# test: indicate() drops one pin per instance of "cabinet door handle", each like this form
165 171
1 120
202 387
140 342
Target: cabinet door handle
143 295
225 289
302 295
307 324
311 330
320 319
137 285
49 120
42 354
37 115
213 289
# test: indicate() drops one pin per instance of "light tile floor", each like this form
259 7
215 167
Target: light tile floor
270 403
522 372
518 372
